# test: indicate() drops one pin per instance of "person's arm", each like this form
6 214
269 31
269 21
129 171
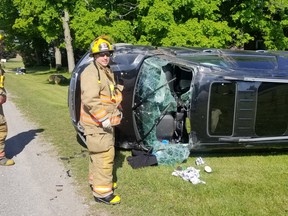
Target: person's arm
90 95
3 96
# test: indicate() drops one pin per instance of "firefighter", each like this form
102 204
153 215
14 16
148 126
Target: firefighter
100 112
4 161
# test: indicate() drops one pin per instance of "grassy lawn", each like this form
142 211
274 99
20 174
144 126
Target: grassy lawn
241 183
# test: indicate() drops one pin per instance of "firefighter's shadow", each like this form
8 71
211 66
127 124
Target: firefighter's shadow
14 145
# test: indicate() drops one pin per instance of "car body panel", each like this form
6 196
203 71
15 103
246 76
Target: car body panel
204 98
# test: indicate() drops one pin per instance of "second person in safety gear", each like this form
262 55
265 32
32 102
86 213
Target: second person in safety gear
100 101
4 161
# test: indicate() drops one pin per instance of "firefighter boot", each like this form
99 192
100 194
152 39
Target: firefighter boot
6 162
109 200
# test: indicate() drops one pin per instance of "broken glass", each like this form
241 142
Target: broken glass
154 99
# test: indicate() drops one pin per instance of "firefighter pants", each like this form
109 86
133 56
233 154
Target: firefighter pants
102 153
3 135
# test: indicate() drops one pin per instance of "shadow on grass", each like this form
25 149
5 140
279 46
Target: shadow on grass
40 70
11 70
16 144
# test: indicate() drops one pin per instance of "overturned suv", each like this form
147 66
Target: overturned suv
201 98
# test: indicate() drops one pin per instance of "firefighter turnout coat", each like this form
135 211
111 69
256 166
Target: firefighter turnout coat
100 98
3 124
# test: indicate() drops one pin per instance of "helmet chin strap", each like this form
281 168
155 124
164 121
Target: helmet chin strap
99 80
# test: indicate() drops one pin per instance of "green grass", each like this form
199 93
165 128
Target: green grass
242 183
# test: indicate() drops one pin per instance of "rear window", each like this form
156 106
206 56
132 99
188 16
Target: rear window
221 112
272 109
271 116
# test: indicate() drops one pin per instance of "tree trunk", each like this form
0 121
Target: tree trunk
68 41
58 58
37 57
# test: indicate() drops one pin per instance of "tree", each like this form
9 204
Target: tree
8 14
44 18
266 20
39 25
68 41
51 28
92 18
24 32
186 23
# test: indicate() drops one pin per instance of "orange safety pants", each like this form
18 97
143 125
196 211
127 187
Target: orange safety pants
3 135
102 153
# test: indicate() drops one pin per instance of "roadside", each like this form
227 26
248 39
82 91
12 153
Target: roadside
38 183
242 180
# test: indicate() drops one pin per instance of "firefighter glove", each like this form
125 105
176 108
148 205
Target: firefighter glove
106 124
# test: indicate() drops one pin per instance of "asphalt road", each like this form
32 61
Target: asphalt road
38 184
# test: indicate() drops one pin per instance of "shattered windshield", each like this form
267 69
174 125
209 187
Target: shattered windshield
153 100
153 103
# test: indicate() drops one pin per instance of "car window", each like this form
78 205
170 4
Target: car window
235 61
221 111
151 77
272 106
125 62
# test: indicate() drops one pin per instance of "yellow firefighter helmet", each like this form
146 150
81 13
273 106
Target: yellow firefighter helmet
100 45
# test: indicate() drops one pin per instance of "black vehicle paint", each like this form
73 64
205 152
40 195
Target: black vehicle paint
236 99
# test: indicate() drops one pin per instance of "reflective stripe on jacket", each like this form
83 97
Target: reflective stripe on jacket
2 92
99 101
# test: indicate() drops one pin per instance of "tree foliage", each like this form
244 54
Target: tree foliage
93 18
266 20
191 23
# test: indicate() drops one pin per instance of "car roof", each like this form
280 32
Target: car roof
235 59
128 57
